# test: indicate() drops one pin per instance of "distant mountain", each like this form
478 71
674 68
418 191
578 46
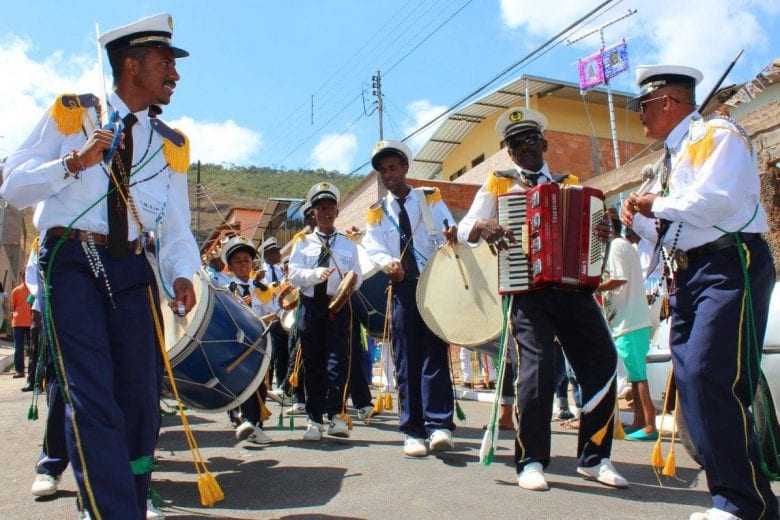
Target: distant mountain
225 187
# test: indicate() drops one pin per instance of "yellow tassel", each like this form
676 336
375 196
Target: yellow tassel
388 401
670 468
178 157
294 379
379 405
656 459
265 413
210 492
346 418
620 433
433 197
498 185
699 151
598 437
68 118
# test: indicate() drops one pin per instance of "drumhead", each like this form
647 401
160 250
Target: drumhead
288 319
179 331
457 295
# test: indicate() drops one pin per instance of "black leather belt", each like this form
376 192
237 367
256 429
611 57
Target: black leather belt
84 236
719 244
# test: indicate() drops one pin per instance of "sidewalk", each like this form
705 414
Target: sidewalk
6 354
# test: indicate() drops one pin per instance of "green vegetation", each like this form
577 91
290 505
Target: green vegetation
225 187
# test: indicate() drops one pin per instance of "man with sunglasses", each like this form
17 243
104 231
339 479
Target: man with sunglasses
704 209
539 316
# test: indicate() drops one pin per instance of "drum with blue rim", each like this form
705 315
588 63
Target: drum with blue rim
369 302
219 352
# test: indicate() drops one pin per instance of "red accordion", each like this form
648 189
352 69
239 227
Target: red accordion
556 243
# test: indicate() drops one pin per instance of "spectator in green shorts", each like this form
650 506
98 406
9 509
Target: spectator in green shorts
628 315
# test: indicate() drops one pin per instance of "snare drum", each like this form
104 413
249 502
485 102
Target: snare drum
457 295
369 302
218 352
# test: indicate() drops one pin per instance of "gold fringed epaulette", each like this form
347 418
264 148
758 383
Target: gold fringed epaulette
265 296
36 245
498 185
69 109
176 146
374 215
700 143
432 195
571 180
300 235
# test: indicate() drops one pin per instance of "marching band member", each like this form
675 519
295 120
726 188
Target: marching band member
274 276
400 242
98 296
318 263
539 316
706 202
239 254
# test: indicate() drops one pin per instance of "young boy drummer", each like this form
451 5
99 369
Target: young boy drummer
318 264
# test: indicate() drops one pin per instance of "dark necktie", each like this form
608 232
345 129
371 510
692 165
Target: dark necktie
533 178
117 208
245 289
321 289
274 278
408 262
663 224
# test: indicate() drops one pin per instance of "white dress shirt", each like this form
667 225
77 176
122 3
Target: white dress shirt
34 175
269 281
382 240
723 191
304 272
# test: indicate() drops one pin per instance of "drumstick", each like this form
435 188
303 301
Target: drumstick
457 258
240 359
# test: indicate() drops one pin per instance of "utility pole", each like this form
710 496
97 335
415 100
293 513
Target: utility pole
376 84
610 104
197 198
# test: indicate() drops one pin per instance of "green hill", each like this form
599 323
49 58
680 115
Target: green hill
225 187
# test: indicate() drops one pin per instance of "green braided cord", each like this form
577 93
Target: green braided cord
292 422
754 349
143 465
499 380
280 425
32 412
155 497
459 411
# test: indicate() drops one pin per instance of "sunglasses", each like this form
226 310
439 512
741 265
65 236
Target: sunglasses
529 140
643 103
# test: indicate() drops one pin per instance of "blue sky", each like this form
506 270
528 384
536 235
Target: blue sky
246 91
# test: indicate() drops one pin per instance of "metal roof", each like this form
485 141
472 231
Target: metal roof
427 163
277 213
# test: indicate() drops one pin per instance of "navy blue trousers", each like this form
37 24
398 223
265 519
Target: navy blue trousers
716 373
359 390
107 347
576 319
421 368
280 354
325 344
21 341
54 458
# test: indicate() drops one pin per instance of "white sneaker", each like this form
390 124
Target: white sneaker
44 485
338 428
364 414
441 440
415 447
296 409
713 514
153 512
605 473
258 436
280 397
313 431
244 430
532 477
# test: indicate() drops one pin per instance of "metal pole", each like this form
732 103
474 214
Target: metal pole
378 93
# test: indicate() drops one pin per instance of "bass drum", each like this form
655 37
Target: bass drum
457 295
218 351
369 302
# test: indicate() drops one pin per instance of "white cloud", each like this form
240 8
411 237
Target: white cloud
29 86
335 152
705 34
422 111
223 142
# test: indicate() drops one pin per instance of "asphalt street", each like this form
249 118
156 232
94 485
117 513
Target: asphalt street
365 476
